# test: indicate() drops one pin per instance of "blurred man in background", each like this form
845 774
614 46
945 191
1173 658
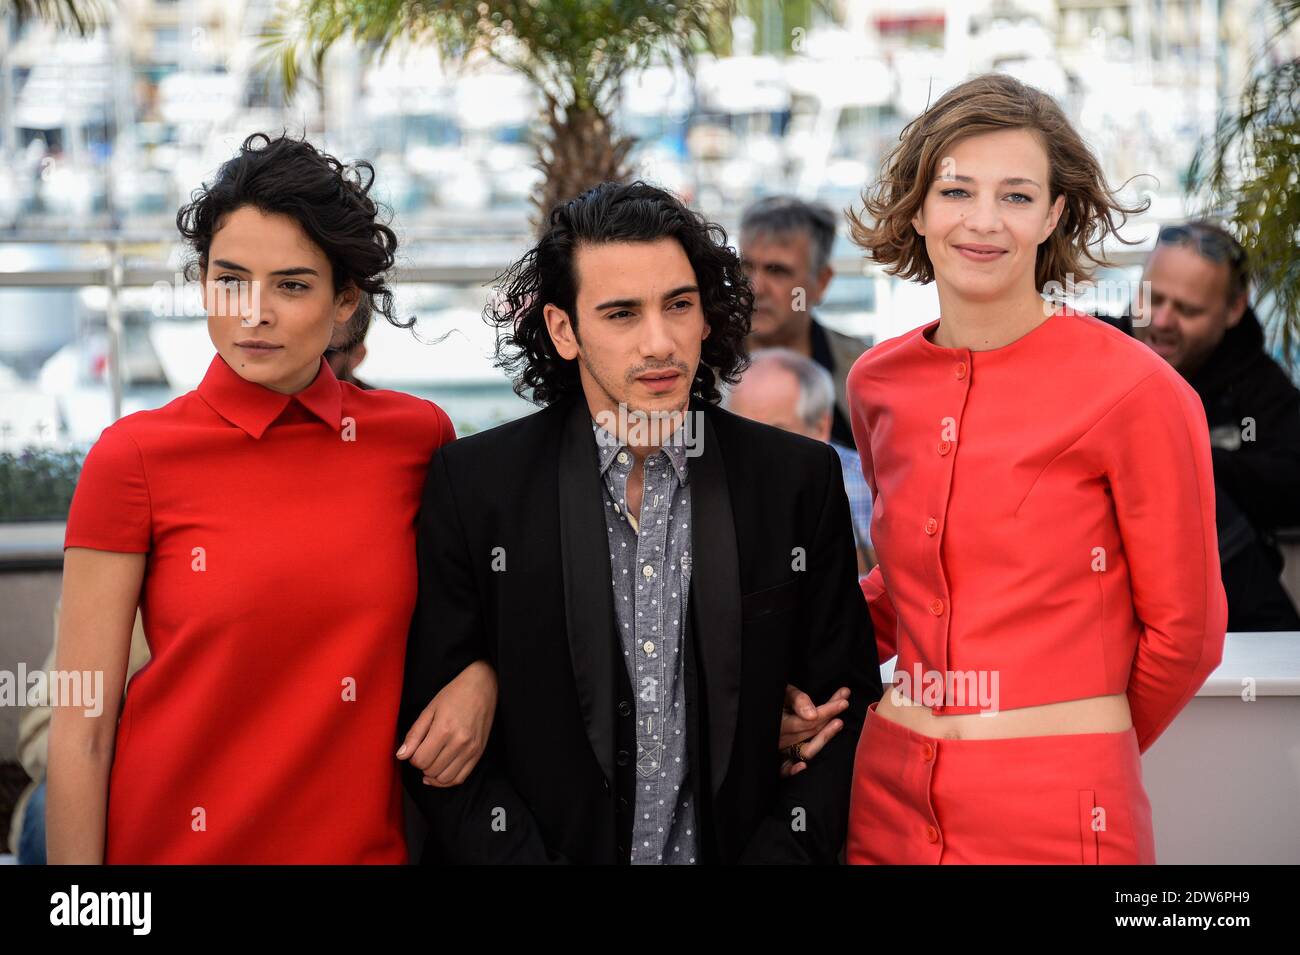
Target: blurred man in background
1197 316
347 348
794 393
786 252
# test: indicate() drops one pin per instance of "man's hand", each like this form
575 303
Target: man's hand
814 726
447 739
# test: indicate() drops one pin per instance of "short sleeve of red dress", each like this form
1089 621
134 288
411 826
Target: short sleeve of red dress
110 507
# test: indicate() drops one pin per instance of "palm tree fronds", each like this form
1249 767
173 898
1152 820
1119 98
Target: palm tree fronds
82 17
1248 174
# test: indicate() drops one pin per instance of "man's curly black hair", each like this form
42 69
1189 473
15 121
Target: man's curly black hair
329 199
616 212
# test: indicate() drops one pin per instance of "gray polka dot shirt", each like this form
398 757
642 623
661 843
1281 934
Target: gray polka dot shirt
650 564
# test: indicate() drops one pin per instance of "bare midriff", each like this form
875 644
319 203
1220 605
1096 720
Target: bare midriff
1095 714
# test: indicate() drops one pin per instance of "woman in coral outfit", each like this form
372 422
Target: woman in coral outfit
1044 510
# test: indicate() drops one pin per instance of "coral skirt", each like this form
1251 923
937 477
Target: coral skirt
1070 799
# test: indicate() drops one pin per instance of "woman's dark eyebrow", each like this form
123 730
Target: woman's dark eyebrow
635 302
1010 181
300 270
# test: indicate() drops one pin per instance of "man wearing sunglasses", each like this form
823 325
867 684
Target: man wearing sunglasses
1196 314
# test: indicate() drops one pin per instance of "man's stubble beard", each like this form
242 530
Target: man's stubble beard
632 409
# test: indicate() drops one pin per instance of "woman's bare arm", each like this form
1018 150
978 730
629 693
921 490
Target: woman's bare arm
101 590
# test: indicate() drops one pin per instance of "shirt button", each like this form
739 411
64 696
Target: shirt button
648 647
928 752
931 834
622 457
936 606
931 526
961 370
625 708
647 571
945 447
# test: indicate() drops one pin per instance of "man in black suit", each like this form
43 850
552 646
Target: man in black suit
646 572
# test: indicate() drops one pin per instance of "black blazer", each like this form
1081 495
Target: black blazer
514 568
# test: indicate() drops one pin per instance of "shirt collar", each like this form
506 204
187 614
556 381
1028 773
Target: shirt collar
253 407
608 448
1228 362
820 346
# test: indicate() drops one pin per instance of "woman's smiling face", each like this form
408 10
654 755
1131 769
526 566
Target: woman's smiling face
986 212
268 290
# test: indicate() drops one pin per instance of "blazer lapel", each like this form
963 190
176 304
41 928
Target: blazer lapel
588 595
715 594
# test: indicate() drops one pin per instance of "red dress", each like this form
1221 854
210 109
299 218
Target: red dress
278 593
1044 519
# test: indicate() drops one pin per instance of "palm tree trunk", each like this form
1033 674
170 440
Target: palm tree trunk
579 151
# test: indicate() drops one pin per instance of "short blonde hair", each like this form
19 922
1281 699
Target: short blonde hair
989 103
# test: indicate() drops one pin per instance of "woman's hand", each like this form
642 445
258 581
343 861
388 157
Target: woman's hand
813 726
447 739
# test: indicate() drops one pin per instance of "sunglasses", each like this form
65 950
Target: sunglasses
1215 247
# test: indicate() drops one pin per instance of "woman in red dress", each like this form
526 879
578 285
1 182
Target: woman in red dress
264 523
1044 510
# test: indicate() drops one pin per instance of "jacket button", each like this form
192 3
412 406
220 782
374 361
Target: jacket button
936 606
622 759
927 751
606 782
945 447
931 834
961 370
625 708
931 526
622 802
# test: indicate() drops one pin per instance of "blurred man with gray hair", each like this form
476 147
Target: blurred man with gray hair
789 391
786 252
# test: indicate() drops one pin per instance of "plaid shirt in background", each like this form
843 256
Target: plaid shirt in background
855 485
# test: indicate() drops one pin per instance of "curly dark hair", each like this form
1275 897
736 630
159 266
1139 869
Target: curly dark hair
328 198
616 212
